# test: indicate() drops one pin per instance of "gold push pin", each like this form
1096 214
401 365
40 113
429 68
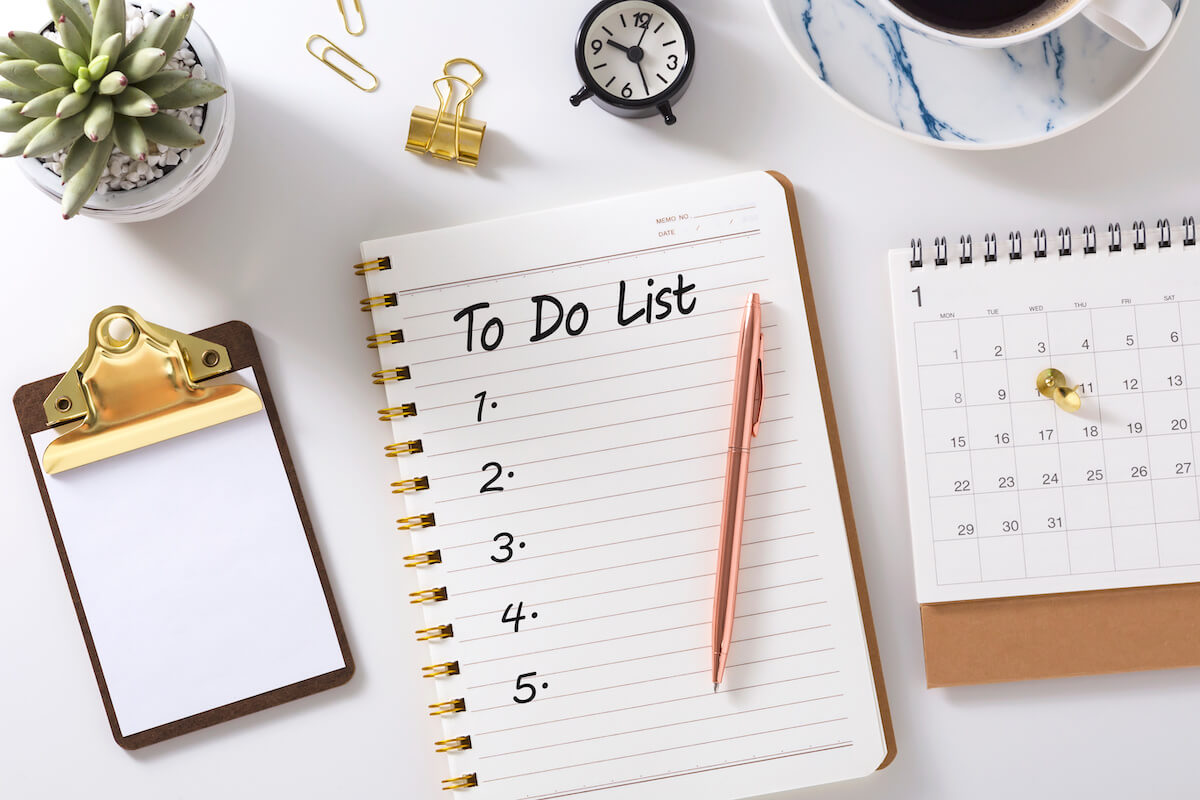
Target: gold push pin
1053 384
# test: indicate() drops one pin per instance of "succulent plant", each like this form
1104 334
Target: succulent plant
96 91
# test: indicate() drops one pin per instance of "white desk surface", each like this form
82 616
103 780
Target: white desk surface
317 166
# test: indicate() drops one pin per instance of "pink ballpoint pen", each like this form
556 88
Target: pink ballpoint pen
743 426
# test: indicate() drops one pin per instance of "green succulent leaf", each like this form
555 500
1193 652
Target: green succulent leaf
73 104
83 183
165 129
94 5
153 35
81 86
17 143
11 118
9 48
72 62
10 91
99 121
133 102
74 12
193 92
55 74
97 67
130 138
77 156
111 47
178 30
54 137
46 104
143 64
23 72
35 46
113 83
74 39
160 83
108 21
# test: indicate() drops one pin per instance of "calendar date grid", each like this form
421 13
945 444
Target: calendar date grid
1019 488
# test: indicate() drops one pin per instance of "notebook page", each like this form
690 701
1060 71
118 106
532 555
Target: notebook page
576 481
1011 495
191 610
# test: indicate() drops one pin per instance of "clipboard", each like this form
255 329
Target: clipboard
182 531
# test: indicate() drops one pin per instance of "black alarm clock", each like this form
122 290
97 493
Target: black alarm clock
635 57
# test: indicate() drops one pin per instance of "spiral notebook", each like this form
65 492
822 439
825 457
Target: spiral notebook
558 390
1053 539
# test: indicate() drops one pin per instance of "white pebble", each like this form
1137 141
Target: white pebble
171 158
199 72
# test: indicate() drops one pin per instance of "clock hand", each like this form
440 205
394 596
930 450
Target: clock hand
618 46
642 72
643 36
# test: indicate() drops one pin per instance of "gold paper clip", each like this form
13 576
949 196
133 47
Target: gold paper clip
362 19
450 137
1053 384
135 385
323 57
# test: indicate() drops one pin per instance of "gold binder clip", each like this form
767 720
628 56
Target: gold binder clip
362 19
1053 384
450 137
136 385
323 57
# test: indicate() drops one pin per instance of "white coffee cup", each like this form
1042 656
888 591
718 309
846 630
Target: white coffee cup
1140 24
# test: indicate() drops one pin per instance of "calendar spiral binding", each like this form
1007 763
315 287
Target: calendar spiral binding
424 560
1088 242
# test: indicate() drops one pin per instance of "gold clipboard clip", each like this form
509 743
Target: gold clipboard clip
450 137
136 385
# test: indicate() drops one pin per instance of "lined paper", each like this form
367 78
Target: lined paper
576 481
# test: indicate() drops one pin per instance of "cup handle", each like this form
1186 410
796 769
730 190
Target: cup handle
1140 24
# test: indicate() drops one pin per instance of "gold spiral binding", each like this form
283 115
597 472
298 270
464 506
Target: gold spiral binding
424 559
403 448
444 670
379 301
447 707
393 374
429 595
436 632
372 266
391 337
411 485
396 412
419 521
452 745
461 782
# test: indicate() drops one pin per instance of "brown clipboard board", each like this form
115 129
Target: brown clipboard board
839 466
238 338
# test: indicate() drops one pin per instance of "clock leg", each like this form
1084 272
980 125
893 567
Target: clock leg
665 109
580 96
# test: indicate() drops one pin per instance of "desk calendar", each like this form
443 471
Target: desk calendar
1010 494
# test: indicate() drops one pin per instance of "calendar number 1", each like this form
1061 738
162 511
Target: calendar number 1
917 292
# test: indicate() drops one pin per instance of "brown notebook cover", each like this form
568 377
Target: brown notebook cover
243 352
839 466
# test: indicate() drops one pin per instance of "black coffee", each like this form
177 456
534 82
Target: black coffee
979 16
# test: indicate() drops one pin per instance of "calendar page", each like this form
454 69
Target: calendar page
1010 494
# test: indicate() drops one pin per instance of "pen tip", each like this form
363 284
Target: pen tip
715 685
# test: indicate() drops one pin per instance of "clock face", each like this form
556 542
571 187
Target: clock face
635 52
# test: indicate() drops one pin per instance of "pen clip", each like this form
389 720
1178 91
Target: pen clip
758 390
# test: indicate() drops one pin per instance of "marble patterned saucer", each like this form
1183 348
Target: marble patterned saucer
954 96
